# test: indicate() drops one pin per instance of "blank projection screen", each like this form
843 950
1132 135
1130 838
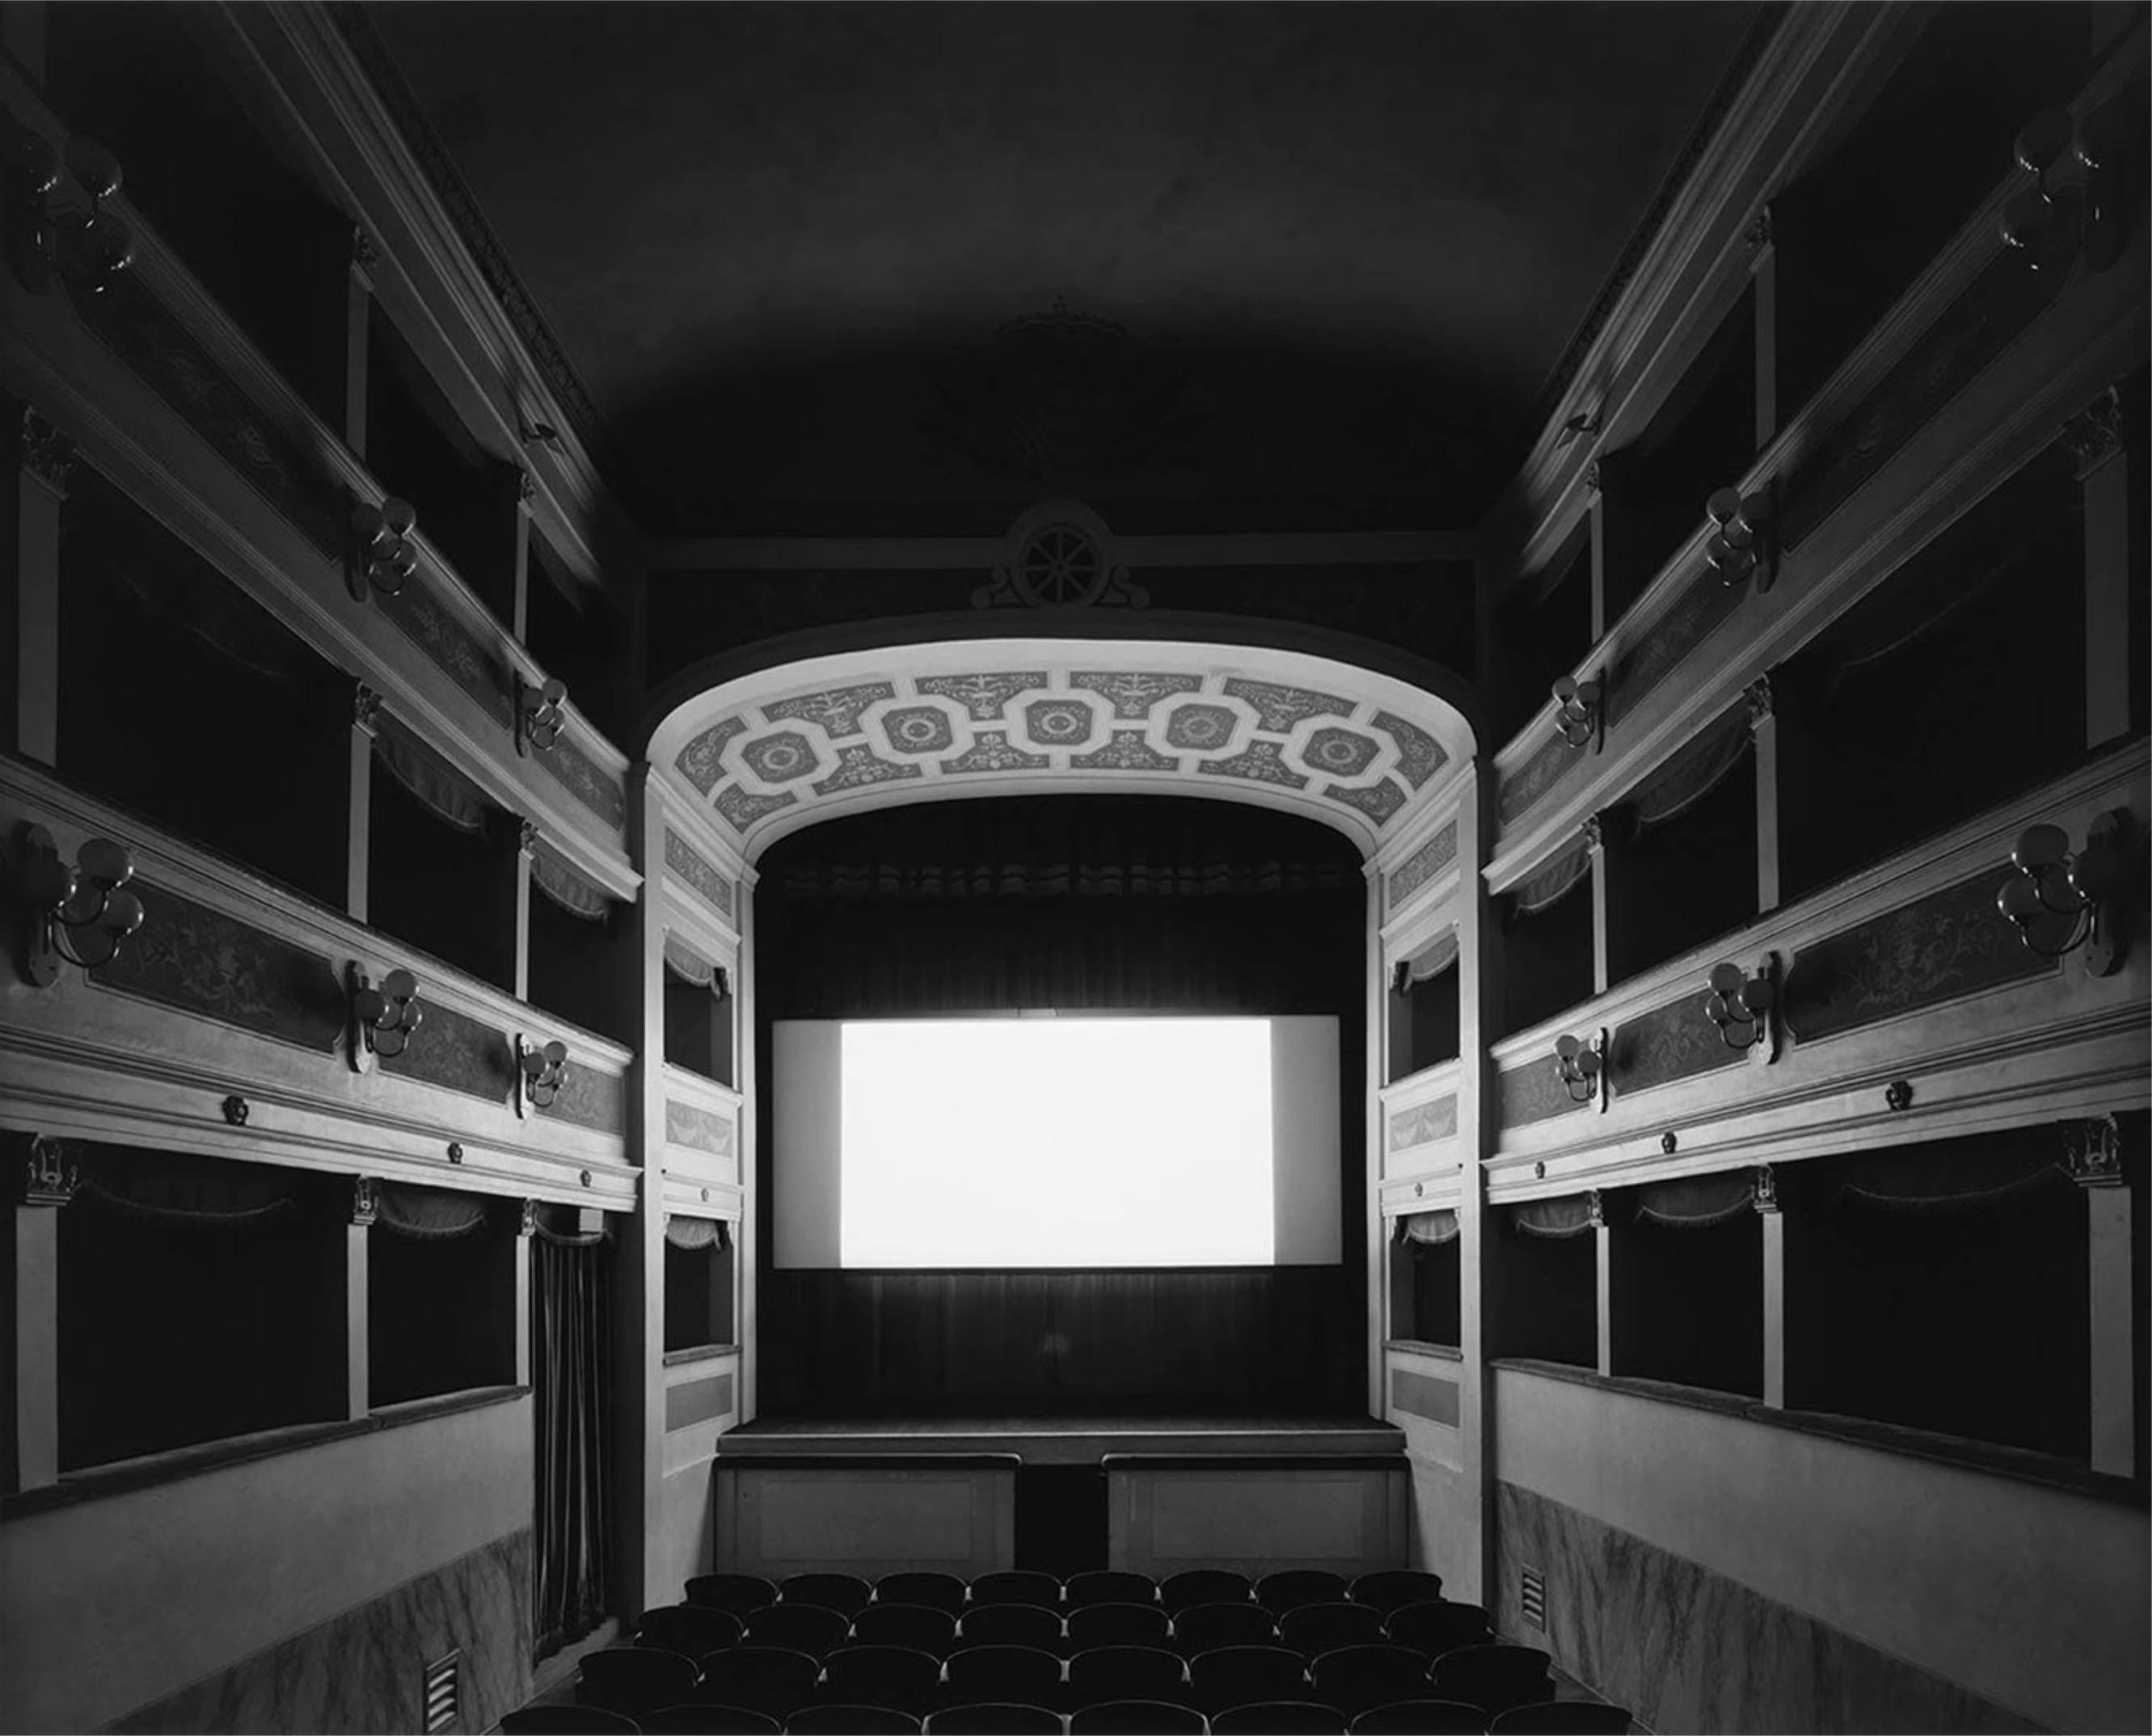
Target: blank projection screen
1056 1143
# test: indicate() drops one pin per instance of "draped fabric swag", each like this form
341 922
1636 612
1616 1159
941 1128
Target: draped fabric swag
1716 753
427 1214
1697 1202
1433 1228
1439 955
444 790
187 595
552 875
1554 1219
570 1358
1563 874
686 1233
686 965
1947 1178
181 1192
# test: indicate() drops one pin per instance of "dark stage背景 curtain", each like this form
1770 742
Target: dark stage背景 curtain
571 1362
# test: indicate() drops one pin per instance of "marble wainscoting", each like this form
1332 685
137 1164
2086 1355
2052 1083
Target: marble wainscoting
364 1670
1686 1648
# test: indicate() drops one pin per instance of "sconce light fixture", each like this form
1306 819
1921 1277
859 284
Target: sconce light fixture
540 714
79 913
1581 718
2073 201
1740 547
1582 1064
545 1069
1741 1006
383 1016
2060 902
383 553
47 236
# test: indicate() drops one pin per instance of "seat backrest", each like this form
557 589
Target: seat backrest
1206 1627
1494 1677
1278 1592
1109 1585
936 1591
699 1720
797 1627
1358 1678
1241 1675
1125 1673
768 1679
845 1593
1137 1718
836 1719
1011 1624
1394 1587
1017 1585
883 1676
1117 1624
1023 1674
1563 1718
1421 1718
571 1721
628 1679
688 1629
1279 1717
1315 1628
1432 1629
1205 1585
905 1624
994 1718
738 1592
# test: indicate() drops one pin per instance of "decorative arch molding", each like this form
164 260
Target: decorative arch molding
769 749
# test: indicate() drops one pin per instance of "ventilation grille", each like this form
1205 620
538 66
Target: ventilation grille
443 1692
1535 1599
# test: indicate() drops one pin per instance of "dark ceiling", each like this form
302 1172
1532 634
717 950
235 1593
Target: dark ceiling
859 268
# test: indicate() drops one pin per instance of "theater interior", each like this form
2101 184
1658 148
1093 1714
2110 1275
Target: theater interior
1075 868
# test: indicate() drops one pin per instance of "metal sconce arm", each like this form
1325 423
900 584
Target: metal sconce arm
2059 902
1582 1066
1580 715
540 715
543 1068
79 913
383 1017
49 234
383 555
1745 1006
1741 545
2073 201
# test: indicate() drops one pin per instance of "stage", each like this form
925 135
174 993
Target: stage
1069 1440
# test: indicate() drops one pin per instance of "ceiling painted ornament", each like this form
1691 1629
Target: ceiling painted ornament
1271 727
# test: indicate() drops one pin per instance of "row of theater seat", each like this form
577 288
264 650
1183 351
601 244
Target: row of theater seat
1119 1717
1386 1590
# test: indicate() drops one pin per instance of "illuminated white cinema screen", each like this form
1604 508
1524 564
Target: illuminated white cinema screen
1031 1142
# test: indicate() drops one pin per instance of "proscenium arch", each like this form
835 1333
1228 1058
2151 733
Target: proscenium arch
809 727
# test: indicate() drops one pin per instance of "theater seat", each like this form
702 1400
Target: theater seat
1137 1718
1208 1625
1359 1678
806 1627
895 1676
766 1679
1243 1675
629 1679
1393 1588
1421 1718
1563 1718
698 1720
1108 1585
1433 1629
1126 1672
1011 1624
1494 1678
573 1721
905 1624
1278 1592
844 1592
992 1718
1018 1585
1315 1628
1205 1585
738 1592
1279 1717
841 1720
936 1591
1117 1624
688 1629
1022 1675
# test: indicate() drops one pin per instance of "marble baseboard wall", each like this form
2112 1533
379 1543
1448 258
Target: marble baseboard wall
1686 1648
363 1670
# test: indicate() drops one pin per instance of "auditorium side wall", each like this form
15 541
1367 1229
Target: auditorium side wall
1714 1573
304 1590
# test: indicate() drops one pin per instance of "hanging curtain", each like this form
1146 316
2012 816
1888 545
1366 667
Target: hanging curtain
551 874
694 1232
1431 1228
1434 959
1697 1202
427 1214
437 784
687 966
571 1361
1553 1220
1934 1180
1562 875
1694 773
185 594
184 1191
562 1226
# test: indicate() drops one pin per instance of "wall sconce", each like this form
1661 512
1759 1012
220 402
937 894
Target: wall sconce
1741 547
2060 902
87 248
383 553
1580 719
80 913
2073 201
545 1069
1741 1006
540 718
1582 1065
383 1017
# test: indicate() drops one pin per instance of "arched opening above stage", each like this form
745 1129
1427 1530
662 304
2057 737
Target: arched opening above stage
1350 734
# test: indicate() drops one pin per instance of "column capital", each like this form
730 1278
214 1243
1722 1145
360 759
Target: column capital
1763 1189
2093 1151
365 1204
2094 434
527 1223
51 1171
1757 696
47 454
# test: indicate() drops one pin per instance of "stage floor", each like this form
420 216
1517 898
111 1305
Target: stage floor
1068 1440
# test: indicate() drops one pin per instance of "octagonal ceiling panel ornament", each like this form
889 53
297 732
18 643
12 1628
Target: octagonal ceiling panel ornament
781 748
